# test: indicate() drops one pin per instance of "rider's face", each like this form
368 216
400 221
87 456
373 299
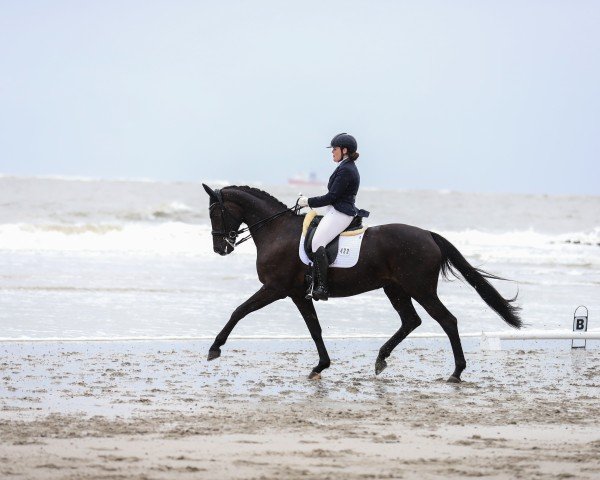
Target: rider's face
337 154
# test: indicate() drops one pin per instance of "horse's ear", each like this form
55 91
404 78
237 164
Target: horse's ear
210 191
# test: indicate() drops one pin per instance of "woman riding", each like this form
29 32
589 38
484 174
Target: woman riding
341 210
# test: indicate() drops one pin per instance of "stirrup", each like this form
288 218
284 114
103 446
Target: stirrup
309 278
309 293
322 294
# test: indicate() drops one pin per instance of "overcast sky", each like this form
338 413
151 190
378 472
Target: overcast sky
464 95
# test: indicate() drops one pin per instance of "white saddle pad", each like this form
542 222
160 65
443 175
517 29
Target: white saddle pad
348 251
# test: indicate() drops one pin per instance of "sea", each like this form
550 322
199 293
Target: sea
89 259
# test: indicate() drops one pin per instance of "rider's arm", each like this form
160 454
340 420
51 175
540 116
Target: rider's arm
338 188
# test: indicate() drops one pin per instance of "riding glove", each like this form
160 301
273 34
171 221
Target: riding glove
303 202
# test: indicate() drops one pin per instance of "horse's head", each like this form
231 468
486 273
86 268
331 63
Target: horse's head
225 218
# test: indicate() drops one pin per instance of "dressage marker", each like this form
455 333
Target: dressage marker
580 324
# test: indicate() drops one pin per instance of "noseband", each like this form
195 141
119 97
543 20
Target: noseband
231 236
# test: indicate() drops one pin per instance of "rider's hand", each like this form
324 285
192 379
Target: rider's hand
303 202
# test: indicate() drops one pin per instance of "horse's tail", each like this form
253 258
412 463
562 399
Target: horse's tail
476 277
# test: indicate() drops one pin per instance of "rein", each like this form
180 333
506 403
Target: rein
231 236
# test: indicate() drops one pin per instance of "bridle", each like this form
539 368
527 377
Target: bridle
231 236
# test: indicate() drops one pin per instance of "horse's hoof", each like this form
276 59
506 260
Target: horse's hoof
212 354
453 379
314 376
380 365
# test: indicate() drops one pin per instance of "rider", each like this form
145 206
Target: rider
341 210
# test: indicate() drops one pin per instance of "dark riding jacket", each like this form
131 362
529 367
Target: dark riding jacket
343 187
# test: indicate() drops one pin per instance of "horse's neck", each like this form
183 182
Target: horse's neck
257 209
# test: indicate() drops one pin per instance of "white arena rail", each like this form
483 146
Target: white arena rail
503 335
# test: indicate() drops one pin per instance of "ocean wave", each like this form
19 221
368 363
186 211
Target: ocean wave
527 247
523 237
162 238
171 210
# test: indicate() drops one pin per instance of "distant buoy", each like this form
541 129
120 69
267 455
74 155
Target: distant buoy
580 324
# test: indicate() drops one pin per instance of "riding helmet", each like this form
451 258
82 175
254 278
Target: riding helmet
343 140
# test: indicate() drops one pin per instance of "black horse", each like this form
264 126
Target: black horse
403 260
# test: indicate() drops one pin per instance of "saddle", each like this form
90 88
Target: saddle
312 220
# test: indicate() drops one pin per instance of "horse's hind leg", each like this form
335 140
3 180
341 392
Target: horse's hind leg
410 320
447 321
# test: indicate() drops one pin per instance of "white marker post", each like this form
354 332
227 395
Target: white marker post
580 324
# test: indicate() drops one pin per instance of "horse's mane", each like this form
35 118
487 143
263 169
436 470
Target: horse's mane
257 193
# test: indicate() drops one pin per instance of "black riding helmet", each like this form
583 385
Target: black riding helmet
343 140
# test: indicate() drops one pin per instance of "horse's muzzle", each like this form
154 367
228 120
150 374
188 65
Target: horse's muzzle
224 250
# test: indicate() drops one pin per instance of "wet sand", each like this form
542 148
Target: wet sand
158 410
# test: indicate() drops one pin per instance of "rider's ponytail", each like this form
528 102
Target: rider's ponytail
353 156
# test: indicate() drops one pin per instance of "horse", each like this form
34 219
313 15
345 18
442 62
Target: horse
404 260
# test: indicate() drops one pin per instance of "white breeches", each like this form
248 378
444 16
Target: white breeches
331 226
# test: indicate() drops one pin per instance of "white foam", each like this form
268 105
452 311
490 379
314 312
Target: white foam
530 247
171 210
163 238
519 247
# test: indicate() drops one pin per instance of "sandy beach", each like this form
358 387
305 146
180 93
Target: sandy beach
159 410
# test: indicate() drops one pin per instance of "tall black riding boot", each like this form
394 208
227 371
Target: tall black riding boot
321 264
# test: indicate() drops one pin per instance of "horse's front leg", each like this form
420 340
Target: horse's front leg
260 299
307 309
